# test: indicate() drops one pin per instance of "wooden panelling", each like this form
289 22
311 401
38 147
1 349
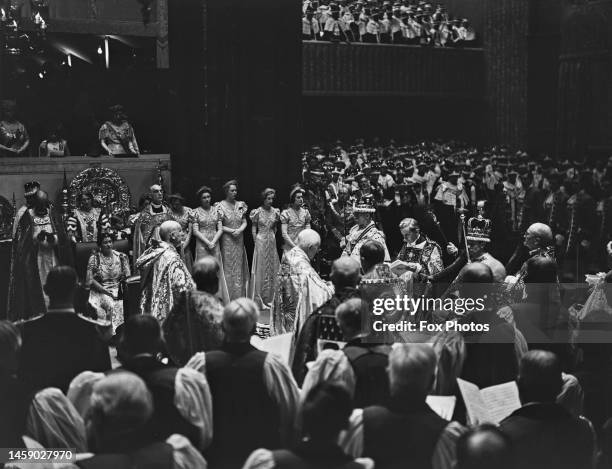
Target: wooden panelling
139 173
585 78
506 26
386 70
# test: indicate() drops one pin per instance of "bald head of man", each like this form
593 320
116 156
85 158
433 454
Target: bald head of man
476 281
476 272
309 241
484 447
538 235
171 232
345 273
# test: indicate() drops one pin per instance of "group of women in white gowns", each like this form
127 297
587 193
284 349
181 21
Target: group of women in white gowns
219 227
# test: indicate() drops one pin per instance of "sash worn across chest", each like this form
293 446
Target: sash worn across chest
361 236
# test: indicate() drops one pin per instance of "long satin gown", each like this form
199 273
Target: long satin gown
207 221
108 272
296 222
265 257
233 252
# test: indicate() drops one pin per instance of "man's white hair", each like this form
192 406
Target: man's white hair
411 369
406 222
167 228
123 399
542 231
308 238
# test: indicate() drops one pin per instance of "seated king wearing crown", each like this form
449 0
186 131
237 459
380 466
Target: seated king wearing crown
478 239
364 230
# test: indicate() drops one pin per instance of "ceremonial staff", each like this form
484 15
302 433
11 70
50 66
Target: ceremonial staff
479 229
437 223
12 228
65 201
604 220
572 234
452 285
462 212
160 178
521 215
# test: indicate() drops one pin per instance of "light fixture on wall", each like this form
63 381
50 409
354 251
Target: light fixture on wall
106 52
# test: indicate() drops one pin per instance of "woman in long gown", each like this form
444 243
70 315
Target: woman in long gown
184 216
207 230
265 256
294 219
233 253
106 270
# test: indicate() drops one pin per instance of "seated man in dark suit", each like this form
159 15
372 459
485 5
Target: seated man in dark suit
345 278
324 414
405 432
28 417
491 354
121 411
254 395
181 395
368 358
361 365
61 343
194 322
15 396
543 433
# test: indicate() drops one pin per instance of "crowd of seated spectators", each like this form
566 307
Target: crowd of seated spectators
237 406
415 22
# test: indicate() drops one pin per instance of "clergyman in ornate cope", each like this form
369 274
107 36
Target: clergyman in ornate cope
300 289
163 273
40 244
149 220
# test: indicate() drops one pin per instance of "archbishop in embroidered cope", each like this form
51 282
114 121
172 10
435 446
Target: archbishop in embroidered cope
300 290
164 276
